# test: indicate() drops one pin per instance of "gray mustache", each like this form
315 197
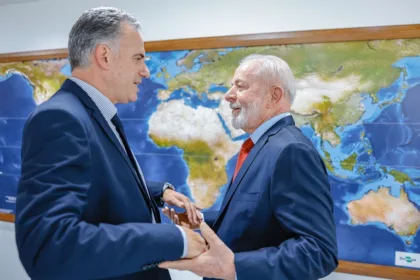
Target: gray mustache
235 106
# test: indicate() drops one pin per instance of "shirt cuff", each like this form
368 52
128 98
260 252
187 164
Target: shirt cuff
184 237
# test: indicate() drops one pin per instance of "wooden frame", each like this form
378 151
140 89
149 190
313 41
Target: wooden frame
277 38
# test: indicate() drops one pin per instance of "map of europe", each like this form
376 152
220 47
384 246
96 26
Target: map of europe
356 101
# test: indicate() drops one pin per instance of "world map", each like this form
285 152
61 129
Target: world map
356 101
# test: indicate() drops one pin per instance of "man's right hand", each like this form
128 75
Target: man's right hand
182 219
196 244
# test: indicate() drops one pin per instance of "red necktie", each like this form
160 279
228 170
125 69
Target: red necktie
246 147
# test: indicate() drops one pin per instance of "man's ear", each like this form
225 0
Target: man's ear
276 94
102 55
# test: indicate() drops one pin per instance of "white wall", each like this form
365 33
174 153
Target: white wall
45 25
10 267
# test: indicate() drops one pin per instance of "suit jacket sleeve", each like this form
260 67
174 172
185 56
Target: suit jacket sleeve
210 217
156 191
301 201
53 240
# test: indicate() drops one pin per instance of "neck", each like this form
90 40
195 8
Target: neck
271 114
94 79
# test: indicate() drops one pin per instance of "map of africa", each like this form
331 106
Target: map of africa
356 101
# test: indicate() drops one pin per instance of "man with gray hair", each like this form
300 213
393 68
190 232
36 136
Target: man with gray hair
276 219
84 209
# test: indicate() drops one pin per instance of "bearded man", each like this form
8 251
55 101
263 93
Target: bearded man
276 220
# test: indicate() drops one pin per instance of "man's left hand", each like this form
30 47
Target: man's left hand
217 262
177 199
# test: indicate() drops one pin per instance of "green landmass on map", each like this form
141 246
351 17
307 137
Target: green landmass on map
45 77
203 163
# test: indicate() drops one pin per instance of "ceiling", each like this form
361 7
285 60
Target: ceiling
8 2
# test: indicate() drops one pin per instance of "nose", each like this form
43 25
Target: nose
144 72
230 96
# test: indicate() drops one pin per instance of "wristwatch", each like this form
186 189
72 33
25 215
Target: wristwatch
166 186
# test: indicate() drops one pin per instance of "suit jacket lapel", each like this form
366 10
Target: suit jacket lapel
249 160
244 168
72 87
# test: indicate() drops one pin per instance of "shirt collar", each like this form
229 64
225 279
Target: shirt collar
256 135
104 105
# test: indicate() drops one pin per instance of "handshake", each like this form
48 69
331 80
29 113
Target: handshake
207 255
190 220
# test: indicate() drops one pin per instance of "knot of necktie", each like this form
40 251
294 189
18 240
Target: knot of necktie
246 148
247 145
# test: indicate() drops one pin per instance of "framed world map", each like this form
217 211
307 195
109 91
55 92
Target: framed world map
357 101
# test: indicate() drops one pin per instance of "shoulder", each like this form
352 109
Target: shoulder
62 110
62 101
62 104
292 145
291 138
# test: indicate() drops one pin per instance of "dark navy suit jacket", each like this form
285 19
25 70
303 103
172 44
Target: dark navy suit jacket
277 216
80 213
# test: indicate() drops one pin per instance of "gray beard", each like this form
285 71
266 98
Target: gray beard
241 121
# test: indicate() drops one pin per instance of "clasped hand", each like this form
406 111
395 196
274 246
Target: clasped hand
217 261
173 198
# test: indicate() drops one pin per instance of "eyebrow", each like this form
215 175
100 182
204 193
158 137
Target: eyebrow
237 81
139 54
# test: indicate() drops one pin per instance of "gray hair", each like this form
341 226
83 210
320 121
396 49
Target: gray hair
276 71
101 25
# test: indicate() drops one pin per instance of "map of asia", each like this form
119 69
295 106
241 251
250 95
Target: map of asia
358 102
